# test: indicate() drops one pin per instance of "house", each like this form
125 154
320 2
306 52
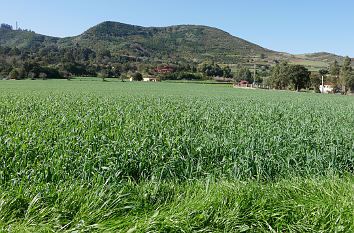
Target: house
326 88
243 83
149 79
146 79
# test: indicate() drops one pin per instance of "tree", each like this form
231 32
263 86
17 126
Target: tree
17 73
116 71
316 81
227 72
127 67
14 74
289 76
31 75
210 69
104 53
323 72
31 66
122 77
334 71
66 74
334 68
346 75
243 74
299 76
103 74
283 75
43 75
350 82
217 71
6 26
50 72
279 78
137 76
74 68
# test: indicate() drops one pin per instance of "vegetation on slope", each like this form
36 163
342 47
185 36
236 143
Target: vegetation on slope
25 39
186 41
183 41
322 57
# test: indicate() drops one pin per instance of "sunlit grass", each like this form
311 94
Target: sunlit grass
92 155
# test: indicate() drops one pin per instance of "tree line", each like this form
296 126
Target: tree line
52 62
296 77
341 78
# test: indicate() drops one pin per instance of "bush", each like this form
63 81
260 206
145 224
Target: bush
17 73
137 76
189 76
51 72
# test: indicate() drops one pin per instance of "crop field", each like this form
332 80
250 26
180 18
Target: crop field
309 63
93 156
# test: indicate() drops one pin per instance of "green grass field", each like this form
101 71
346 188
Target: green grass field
317 64
92 156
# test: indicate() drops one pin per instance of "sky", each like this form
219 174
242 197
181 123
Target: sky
293 26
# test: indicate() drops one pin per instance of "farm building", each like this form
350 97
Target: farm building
243 83
326 88
149 79
146 79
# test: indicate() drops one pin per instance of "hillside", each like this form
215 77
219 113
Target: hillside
322 57
185 42
25 39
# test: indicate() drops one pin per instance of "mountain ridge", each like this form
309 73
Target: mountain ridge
189 42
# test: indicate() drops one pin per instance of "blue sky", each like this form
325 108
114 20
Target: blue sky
294 26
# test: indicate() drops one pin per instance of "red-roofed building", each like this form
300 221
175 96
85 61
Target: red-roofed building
243 83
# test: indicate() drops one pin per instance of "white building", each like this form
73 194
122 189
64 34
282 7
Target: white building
148 79
326 88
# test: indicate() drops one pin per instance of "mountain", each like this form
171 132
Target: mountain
25 39
188 42
321 57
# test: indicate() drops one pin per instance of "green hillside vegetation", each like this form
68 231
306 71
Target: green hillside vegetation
185 41
25 39
321 57
181 42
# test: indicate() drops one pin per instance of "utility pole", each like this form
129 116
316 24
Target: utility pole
16 26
